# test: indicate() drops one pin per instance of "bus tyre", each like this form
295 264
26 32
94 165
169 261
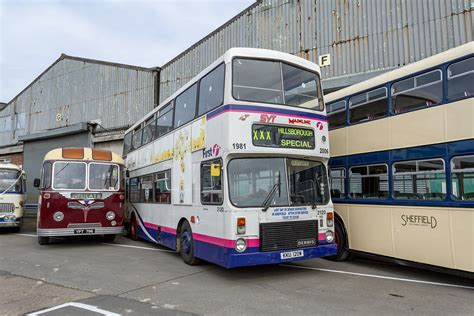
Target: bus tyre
109 238
43 240
15 229
186 245
341 241
133 228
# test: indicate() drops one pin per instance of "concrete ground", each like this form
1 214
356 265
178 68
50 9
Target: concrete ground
85 276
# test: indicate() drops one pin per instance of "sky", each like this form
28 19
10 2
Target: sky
147 33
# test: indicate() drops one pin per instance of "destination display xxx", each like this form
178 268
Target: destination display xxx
282 136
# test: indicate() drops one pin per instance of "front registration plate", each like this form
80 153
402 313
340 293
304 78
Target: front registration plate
84 231
291 254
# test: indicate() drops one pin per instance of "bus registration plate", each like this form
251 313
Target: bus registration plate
291 254
84 231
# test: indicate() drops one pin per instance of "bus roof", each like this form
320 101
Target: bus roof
7 165
83 153
246 52
404 71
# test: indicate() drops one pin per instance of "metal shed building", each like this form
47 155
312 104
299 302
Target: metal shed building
363 37
75 102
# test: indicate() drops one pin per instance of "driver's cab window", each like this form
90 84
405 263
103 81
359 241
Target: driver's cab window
46 175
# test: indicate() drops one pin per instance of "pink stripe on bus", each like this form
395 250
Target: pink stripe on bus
229 243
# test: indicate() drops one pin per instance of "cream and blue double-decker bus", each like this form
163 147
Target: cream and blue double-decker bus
12 196
402 163
232 168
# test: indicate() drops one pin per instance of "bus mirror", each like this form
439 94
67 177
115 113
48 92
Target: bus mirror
127 173
36 183
215 170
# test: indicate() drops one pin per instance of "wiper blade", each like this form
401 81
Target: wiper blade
268 200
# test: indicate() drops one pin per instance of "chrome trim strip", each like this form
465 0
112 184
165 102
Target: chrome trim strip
70 231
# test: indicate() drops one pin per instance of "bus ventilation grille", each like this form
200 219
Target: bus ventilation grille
288 235
7 207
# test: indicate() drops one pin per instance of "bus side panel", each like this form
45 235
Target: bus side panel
367 137
371 220
462 223
338 142
421 234
406 130
459 120
181 175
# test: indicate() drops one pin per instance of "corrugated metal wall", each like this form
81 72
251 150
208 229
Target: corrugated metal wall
81 91
362 36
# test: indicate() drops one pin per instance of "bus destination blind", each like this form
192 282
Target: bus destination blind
282 136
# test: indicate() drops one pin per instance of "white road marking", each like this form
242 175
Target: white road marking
91 308
116 245
379 276
138 247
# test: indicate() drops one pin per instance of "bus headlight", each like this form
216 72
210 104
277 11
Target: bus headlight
329 236
240 245
110 215
58 216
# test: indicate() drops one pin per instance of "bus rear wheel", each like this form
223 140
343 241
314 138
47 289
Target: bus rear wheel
342 245
42 240
133 228
186 245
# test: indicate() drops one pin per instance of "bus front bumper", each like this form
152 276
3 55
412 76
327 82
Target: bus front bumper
274 257
7 221
79 231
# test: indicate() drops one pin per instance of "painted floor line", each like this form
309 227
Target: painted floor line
83 306
380 276
28 235
137 247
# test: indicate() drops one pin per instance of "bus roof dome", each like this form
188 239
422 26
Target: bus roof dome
83 153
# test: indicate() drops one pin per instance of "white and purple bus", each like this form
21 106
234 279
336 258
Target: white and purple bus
232 168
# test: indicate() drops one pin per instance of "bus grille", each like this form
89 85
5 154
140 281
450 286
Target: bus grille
7 207
288 235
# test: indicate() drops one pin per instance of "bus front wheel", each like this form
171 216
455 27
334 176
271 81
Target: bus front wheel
42 240
342 244
186 245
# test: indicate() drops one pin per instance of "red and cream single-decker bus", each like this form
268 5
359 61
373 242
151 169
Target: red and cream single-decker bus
82 193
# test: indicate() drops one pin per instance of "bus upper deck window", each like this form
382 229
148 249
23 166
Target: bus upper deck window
417 92
368 106
211 90
460 79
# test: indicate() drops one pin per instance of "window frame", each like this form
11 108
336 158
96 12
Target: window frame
344 110
449 77
43 187
345 177
160 114
452 172
416 87
86 181
349 108
119 179
349 191
322 105
416 172
222 181
155 174
198 100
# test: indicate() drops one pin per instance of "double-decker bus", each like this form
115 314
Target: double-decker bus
402 163
232 167
12 196
82 193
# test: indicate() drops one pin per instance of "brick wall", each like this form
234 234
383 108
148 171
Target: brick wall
16 158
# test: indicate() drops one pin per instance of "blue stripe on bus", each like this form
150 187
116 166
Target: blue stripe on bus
263 109
230 258
445 151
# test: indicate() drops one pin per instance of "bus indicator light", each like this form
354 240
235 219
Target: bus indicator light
241 225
